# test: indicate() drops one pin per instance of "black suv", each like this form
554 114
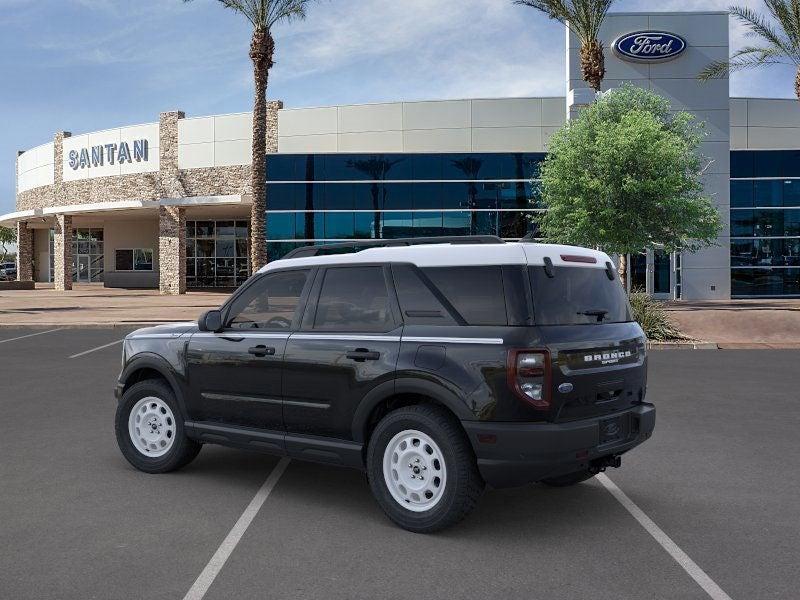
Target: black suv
433 367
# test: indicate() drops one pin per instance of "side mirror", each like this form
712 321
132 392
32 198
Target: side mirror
210 321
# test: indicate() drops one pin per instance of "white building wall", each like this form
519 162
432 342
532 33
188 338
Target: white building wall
706 274
35 167
87 141
765 124
215 141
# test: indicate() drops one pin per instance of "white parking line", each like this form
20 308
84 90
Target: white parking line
214 566
22 337
688 565
96 349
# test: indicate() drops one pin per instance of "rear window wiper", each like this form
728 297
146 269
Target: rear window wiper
599 313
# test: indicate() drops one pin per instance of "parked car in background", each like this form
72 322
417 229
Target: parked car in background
8 271
435 368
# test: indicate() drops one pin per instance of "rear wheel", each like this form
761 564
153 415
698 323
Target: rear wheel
568 479
422 470
149 428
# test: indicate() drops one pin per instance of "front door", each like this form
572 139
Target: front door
235 375
83 269
348 344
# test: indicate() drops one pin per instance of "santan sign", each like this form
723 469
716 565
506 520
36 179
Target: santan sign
649 46
97 156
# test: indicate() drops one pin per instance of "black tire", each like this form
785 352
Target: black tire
183 449
568 479
463 484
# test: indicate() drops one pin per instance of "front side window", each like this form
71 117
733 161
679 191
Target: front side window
354 299
576 296
270 303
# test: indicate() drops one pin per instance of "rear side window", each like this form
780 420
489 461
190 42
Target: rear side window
576 296
418 301
354 299
475 292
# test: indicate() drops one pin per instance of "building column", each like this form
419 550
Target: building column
171 250
62 253
24 252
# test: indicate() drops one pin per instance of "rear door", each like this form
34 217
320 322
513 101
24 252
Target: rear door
348 345
235 375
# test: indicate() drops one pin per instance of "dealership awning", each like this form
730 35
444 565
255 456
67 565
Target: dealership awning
11 219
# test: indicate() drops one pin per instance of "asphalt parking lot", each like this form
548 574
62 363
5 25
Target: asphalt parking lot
719 477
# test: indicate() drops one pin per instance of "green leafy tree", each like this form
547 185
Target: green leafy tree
7 237
778 40
625 176
263 15
584 19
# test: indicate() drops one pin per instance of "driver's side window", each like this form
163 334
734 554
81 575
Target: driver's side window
270 303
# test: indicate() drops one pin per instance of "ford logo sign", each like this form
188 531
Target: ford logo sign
649 46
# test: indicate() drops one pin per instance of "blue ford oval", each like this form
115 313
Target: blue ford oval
649 46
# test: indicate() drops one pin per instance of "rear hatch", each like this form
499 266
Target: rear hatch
597 352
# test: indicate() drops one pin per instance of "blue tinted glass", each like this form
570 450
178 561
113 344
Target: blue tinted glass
457 223
280 226
310 167
741 194
515 195
283 196
455 195
397 196
311 196
526 166
485 223
426 166
309 226
765 282
791 222
281 167
768 193
791 192
367 225
426 195
768 222
742 164
790 163
367 196
339 196
465 166
427 224
399 166
768 163
340 167
513 225
397 225
339 225
742 223
484 195
495 166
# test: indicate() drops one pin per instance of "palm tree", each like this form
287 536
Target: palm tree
262 15
780 41
584 19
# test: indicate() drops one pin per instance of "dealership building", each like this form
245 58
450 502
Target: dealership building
167 204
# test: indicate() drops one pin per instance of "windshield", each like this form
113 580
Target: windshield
577 296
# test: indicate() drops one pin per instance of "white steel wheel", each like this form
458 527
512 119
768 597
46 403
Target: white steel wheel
414 470
151 426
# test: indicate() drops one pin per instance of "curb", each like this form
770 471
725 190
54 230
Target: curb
682 346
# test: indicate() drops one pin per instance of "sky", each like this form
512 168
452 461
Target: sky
86 65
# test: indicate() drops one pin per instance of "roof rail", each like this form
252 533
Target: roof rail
358 245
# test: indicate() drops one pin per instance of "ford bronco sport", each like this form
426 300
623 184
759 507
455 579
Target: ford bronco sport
437 366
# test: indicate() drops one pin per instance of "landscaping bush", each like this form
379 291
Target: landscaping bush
652 317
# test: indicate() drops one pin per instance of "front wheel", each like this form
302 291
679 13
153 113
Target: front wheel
422 470
149 428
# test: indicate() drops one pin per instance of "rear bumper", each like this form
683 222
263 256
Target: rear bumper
527 452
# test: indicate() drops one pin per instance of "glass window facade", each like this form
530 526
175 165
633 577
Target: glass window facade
765 223
328 198
87 255
217 253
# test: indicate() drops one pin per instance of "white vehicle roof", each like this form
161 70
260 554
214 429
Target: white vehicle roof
456 255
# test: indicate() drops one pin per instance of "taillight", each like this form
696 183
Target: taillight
529 376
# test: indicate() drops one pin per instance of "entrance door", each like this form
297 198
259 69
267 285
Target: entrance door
83 269
662 273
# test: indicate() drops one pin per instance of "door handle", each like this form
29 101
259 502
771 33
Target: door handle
261 350
362 354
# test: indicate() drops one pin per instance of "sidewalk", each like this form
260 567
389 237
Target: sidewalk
740 323
93 305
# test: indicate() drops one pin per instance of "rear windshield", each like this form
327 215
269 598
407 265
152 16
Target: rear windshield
577 296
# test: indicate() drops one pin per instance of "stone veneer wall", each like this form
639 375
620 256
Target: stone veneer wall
169 182
24 252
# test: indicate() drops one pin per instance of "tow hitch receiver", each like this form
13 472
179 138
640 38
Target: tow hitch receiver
601 464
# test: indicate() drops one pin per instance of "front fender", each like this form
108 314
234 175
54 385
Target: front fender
159 364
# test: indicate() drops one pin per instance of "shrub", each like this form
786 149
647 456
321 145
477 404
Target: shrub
652 317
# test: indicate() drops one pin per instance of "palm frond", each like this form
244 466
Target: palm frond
745 58
583 17
759 26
